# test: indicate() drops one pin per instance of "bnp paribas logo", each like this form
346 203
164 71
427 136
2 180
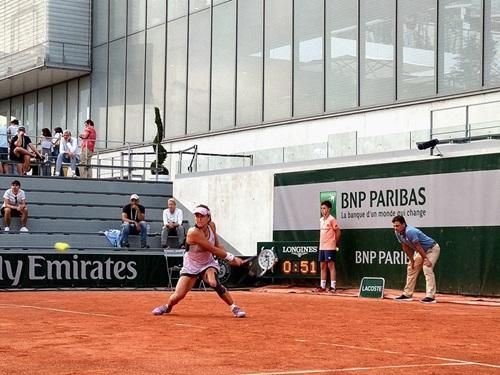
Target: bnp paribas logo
332 197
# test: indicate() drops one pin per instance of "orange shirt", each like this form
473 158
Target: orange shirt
327 233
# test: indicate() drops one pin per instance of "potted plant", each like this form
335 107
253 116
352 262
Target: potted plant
157 167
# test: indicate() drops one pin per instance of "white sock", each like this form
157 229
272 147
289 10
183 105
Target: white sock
323 284
233 306
332 284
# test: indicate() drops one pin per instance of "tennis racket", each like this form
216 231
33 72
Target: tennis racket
260 264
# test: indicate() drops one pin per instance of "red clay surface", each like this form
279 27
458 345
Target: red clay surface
113 332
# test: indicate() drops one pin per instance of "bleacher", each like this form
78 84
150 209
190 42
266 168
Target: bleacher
78 211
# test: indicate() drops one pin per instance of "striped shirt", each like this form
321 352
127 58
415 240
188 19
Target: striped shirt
12 198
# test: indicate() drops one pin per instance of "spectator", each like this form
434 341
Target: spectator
133 215
68 154
172 224
14 204
56 141
88 137
20 147
46 144
4 149
11 132
12 129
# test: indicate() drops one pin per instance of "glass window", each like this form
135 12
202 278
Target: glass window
197 5
341 65
199 73
250 63
4 112
136 16
44 109
155 83
99 83
278 60
59 106
416 48
492 43
308 58
134 114
30 114
72 115
117 19
223 66
16 109
175 100
377 81
84 103
116 93
177 8
100 22
459 54
157 11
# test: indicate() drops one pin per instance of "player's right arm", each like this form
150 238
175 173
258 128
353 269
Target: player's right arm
195 236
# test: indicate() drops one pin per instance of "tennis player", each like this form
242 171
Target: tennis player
199 262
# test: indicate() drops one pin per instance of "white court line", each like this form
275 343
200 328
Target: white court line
189 326
5 305
406 354
358 369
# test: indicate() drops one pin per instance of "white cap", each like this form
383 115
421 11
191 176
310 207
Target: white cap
202 211
134 196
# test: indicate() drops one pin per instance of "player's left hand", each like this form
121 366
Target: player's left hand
236 262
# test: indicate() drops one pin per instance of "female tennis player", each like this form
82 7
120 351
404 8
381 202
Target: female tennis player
199 261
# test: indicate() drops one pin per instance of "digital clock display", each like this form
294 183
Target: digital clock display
303 267
295 259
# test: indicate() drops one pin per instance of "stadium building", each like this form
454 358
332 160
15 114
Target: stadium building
282 85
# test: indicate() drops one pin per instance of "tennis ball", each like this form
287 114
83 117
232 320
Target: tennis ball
61 246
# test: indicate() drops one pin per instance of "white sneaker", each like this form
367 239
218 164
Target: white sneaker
238 312
23 229
6 229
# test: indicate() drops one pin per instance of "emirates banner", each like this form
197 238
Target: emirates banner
81 269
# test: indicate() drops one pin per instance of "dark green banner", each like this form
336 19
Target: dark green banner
50 270
469 262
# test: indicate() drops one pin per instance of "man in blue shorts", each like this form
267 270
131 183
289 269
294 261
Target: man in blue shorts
423 253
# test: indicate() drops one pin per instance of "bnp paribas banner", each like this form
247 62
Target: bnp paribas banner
454 200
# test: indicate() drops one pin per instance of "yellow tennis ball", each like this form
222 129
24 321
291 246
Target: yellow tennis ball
61 246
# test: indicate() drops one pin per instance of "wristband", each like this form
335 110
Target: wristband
229 257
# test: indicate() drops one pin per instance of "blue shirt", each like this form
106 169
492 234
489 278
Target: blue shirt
3 136
412 235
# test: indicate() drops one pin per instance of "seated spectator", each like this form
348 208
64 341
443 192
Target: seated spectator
4 149
14 204
172 225
46 144
20 147
133 215
68 153
56 141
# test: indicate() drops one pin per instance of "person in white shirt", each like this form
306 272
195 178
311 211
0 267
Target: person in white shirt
68 153
4 149
14 204
172 224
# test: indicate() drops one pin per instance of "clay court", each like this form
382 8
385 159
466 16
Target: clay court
286 332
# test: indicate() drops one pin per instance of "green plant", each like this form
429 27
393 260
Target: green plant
157 166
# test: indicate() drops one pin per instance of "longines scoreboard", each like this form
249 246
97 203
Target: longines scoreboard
290 259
